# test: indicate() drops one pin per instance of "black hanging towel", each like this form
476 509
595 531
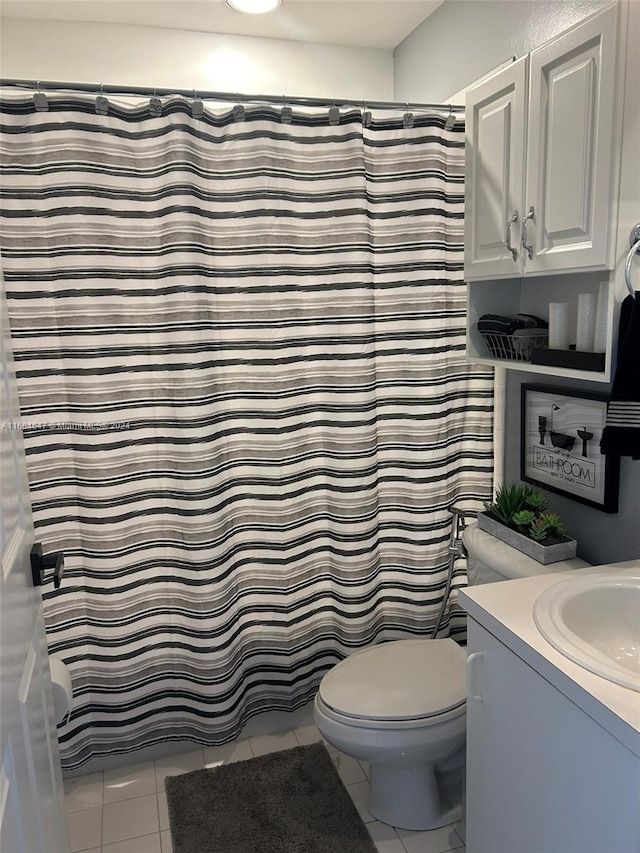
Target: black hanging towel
621 435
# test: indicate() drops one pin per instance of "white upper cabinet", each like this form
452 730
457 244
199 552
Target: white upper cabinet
547 207
570 148
495 148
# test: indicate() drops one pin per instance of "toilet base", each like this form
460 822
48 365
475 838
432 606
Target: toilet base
412 797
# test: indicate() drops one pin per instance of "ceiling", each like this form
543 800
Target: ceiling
360 23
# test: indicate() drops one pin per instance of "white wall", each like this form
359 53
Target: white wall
151 56
465 39
462 41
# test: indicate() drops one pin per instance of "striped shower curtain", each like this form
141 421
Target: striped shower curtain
240 356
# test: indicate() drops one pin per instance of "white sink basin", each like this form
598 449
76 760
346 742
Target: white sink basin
595 621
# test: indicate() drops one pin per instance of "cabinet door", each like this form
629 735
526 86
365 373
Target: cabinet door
494 182
542 776
570 169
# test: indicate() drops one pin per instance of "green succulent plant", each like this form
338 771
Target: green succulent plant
536 501
538 530
554 524
524 509
523 519
508 501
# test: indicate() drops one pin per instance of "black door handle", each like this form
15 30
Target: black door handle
40 564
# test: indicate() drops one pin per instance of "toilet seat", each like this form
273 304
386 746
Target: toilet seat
403 683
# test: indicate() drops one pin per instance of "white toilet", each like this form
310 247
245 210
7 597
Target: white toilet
401 705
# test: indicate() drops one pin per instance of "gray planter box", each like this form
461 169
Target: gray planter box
544 554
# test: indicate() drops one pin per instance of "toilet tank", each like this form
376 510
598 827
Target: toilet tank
490 560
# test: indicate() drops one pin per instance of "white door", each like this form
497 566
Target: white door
31 793
570 169
495 139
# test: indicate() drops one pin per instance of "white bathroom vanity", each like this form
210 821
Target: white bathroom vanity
553 750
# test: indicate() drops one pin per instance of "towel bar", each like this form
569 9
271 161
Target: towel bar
635 249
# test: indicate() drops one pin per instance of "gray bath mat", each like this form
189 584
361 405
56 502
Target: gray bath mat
291 801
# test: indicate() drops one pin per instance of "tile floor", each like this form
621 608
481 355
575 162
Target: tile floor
125 810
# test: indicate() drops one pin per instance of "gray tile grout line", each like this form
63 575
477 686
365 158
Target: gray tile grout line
133 838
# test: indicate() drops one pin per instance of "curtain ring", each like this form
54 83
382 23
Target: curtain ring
102 104
238 111
155 104
40 101
286 113
197 107
451 119
407 118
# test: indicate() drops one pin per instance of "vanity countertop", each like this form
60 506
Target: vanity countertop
505 609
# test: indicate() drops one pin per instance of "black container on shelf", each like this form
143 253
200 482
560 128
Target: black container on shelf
594 361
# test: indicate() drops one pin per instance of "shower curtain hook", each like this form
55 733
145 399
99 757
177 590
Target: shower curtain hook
366 116
40 101
286 113
238 111
197 107
155 104
451 119
102 104
334 115
407 118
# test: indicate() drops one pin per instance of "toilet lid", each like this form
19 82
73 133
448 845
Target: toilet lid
402 680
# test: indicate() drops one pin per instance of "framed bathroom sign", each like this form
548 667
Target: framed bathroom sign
560 445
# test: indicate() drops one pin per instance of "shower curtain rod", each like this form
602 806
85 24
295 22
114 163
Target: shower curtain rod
101 89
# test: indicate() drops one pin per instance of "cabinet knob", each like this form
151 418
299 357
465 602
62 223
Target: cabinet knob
523 242
514 252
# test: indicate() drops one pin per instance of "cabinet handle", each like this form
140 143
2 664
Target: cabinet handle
523 241
472 690
507 239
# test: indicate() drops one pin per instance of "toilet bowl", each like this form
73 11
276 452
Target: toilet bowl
404 730
401 705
